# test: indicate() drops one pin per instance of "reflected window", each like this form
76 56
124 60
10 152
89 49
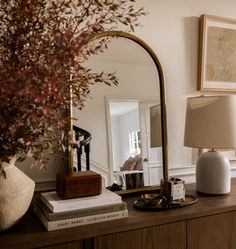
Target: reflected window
134 143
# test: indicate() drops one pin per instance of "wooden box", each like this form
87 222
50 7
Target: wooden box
79 184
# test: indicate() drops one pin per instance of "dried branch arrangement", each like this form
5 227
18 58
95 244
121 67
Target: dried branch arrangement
42 47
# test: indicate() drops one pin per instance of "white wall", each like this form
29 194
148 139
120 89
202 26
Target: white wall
171 29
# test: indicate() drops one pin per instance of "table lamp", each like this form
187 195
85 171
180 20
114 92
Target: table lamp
155 126
211 124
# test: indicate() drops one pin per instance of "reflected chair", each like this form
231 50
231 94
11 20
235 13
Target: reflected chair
83 137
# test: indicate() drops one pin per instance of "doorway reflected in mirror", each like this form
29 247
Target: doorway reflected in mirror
126 143
135 142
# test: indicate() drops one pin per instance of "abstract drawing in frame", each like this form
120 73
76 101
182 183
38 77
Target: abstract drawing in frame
217 54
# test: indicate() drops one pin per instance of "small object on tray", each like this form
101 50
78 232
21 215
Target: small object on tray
173 189
114 187
150 199
161 203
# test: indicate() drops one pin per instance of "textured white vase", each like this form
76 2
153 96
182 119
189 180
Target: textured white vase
16 192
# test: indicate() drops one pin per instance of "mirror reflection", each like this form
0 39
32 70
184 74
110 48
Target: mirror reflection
124 120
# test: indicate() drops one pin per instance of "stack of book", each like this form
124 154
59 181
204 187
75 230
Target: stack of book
56 213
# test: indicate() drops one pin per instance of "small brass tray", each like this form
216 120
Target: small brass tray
159 203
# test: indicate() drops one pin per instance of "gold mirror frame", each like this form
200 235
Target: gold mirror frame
162 98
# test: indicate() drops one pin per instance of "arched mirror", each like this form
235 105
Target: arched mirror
127 122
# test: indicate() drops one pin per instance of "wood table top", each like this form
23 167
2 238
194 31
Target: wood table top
30 232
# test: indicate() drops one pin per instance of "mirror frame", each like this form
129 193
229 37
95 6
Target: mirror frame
157 63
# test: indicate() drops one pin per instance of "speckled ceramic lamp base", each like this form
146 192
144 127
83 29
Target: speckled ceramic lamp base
213 174
16 192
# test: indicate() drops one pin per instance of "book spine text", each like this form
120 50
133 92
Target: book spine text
67 223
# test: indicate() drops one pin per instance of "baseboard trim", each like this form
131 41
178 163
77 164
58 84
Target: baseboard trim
187 173
95 166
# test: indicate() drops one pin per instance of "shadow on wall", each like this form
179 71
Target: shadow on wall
43 175
191 26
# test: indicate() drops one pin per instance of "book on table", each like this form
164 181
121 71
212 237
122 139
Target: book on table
76 212
56 204
80 212
78 221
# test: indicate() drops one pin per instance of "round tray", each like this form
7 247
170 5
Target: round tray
157 203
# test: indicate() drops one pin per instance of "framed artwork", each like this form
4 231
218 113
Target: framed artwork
217 54
230 153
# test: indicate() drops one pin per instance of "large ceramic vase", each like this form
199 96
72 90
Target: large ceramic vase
16 192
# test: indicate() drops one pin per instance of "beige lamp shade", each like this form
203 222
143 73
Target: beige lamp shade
211 122
155 126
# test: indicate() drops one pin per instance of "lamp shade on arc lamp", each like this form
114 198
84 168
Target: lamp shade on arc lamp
155 126
211 123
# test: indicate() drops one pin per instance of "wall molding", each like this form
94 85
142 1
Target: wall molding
186 173
104 172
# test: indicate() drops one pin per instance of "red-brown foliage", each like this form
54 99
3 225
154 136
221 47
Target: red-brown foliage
42 45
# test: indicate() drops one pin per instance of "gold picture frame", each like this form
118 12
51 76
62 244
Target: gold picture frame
217 54
228 153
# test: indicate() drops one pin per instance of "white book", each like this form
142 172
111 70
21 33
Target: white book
56 204
79 221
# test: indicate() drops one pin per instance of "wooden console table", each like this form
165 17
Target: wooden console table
208 224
